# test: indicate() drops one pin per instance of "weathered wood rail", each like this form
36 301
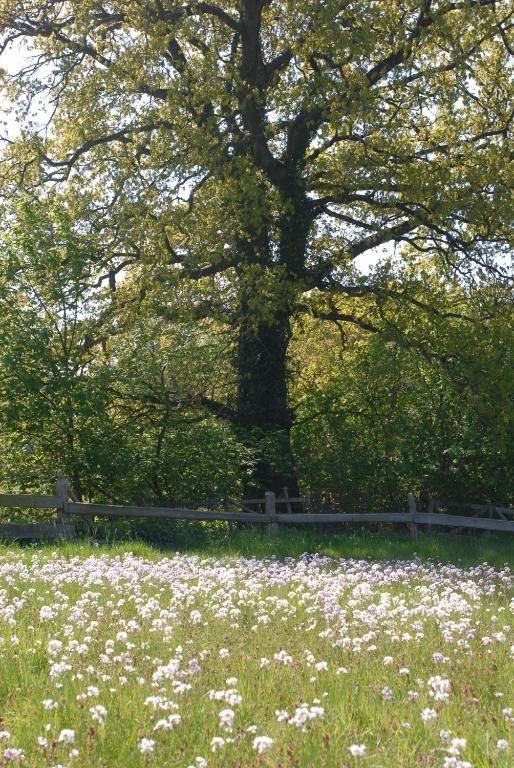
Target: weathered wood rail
65 503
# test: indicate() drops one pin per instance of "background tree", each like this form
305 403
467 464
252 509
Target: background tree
410 402
251 150
119 420
422 403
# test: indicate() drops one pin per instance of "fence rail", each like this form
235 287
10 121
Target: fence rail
267 514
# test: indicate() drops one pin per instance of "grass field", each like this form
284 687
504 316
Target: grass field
244 651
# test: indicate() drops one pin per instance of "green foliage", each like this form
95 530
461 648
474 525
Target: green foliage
425 404
207 178
99 413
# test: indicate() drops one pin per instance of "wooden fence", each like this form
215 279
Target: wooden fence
262 510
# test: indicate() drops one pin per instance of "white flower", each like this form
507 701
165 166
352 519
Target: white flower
502 744
226 717
4 735
50 704
168 724
428 714
283 657
456 746
54 647
200 762
146 746
262 744
439 688
217 742
67 736
454 762
357 750
98 713
12 754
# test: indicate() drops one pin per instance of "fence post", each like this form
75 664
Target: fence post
62 490
430 511
414 531
270 509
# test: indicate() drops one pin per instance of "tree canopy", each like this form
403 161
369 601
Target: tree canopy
230 161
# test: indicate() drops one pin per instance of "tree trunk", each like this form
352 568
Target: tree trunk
262 411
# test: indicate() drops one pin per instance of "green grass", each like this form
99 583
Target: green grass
391 544
388 608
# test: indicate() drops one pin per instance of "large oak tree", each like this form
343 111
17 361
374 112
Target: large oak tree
235 158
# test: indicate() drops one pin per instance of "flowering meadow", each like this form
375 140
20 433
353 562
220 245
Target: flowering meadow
121 661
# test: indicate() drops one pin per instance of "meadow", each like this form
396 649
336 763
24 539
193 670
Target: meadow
357 651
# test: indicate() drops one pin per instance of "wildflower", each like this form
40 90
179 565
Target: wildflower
439 688
217 742
502 744
283 657
146 746
456 746
305 714
167 724
428 714
54 647
67 736
98 713
13 755
387 693
357 750
262 744
4 735
226 717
